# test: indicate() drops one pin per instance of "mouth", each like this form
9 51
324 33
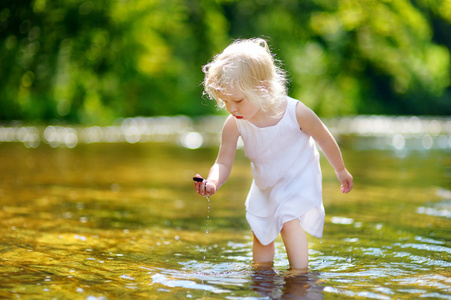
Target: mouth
238 117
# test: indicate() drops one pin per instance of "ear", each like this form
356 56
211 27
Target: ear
265 88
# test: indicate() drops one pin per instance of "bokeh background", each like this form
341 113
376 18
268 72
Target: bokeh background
101 109
92 62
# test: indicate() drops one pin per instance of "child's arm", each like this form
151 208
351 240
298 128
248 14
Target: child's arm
313 126
220 171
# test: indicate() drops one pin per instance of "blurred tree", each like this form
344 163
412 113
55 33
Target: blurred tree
94 61
353 56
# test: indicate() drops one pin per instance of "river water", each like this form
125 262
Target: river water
86 218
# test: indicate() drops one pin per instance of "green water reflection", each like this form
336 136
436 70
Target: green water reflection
112 221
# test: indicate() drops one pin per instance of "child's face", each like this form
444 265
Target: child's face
239 106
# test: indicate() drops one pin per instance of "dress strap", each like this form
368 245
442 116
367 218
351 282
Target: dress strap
292 107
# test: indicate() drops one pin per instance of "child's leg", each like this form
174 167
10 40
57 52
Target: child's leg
296 244
263 255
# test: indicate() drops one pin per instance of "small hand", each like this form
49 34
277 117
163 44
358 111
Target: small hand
204 187
346 180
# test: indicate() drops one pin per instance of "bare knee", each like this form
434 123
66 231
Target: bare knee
290 226
296 244
292 231
262 253
260 245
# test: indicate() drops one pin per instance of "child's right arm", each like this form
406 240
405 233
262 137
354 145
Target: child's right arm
220 171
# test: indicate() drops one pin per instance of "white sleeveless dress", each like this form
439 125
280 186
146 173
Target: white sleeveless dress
287 177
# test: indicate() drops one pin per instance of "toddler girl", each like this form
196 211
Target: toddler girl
279 135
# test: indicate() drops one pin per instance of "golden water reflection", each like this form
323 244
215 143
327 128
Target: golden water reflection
103 221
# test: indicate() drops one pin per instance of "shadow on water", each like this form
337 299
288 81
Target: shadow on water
92 213
265 283
272 284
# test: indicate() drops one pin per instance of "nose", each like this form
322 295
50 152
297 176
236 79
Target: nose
231 108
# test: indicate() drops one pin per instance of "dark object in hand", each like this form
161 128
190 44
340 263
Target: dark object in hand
198 179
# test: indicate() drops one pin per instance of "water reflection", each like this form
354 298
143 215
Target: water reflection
236 280
102 220
375 132
288 285
439 209
216 278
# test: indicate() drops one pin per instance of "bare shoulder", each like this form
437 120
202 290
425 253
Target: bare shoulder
230 130
306 118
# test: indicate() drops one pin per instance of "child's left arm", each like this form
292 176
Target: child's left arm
313 126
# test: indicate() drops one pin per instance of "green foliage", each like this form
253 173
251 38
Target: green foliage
95 61
353 56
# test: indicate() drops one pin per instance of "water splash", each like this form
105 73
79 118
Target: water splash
206 225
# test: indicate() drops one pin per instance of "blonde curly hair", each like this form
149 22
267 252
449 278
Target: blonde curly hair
249 67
